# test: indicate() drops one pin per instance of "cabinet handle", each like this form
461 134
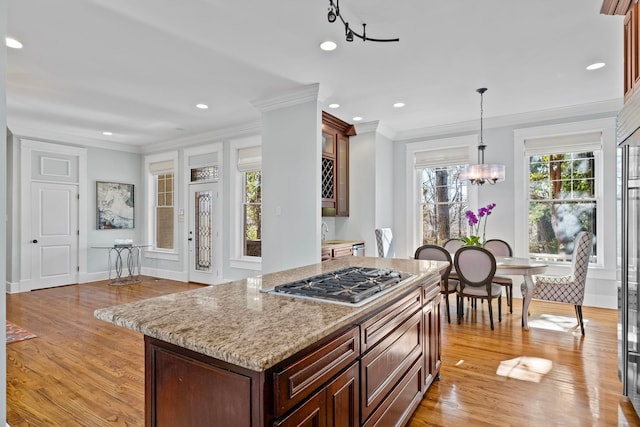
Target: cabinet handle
34 241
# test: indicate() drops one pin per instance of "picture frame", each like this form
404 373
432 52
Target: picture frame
115 205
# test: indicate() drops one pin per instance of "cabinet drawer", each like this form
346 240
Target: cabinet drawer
430 290
296 381
398 407
386 363
381 324
344 251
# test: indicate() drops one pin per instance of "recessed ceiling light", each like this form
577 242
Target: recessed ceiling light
357 118
107 133
595 66
202 106
328 46
334 105
398 105
12 43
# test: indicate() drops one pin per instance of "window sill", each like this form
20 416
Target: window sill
246 263
155 254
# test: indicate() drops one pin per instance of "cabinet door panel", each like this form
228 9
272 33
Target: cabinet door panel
343 399
216 396
383 366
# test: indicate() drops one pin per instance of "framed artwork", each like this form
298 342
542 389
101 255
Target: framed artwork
114 205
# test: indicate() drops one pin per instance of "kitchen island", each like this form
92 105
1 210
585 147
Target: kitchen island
232 354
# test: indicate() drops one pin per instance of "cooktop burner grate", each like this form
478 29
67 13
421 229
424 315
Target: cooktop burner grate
351 284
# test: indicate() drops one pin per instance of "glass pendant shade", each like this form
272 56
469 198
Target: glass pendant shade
481 173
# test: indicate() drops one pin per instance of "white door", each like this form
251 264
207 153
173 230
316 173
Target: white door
54 240
203 237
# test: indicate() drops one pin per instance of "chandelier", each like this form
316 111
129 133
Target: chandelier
334 13
482 172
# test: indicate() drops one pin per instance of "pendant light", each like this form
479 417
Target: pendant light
481 173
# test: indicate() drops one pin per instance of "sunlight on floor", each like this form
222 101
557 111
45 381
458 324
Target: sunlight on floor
555 323
525 368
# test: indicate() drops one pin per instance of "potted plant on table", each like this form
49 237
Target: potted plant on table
475 223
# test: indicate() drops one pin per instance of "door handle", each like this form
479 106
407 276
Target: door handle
190 239
34 241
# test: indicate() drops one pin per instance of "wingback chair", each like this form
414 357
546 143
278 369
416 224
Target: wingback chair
384 241
438 253
568 289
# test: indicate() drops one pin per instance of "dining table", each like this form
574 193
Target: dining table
525 267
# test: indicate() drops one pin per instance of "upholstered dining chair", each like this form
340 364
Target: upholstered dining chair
499 247
452 245
568 289
438 253
475 267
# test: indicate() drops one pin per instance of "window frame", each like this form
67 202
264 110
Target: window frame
414 182
237 259
605 168
150 184
421 203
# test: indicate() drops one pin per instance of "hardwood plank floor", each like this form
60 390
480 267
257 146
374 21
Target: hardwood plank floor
81 371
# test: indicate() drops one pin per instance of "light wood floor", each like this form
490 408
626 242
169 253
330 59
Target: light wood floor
80 371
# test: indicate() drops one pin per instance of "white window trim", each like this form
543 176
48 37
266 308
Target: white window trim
413 182
236 258
151 252
605 171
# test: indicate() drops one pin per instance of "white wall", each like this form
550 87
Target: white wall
111 166
291 200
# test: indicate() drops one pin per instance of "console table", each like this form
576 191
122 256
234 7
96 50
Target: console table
121 255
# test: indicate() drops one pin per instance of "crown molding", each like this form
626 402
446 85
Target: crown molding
610 107
237 131
67 139
288 99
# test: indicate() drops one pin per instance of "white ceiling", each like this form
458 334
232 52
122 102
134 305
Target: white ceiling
137 68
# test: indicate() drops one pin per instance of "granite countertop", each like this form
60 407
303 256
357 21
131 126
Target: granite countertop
338 243
237 323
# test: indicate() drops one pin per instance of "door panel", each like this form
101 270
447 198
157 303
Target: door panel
54 228
202 234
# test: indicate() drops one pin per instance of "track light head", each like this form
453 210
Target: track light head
349 33
331 16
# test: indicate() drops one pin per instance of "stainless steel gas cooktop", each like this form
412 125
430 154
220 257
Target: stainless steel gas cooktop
351 285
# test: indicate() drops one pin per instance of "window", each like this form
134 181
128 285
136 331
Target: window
164 210
252 213
249 166
443 201
443 197
563 196
161 214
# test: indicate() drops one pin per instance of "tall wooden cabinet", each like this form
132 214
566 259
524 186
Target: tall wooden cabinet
335 165
631 57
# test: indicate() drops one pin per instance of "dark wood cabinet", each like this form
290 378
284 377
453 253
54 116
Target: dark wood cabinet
373 372
335 165
631 50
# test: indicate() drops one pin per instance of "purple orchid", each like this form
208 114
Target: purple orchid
474 225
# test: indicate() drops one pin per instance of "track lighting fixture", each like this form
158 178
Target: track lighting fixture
334 13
